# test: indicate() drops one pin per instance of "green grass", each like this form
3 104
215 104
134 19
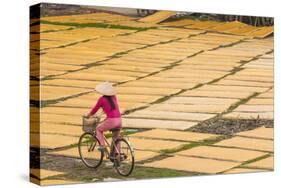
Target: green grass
145 172
242 101
124 132
192 145
119 54
255 160
251 161
64 46
80 174
180 148
97 25
51 30
233 71
45 103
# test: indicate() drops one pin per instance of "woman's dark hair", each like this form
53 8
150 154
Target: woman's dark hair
109 99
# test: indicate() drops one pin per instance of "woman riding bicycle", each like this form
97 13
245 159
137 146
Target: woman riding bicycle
108 103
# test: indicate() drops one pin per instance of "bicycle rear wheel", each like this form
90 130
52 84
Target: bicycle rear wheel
88 150
124 160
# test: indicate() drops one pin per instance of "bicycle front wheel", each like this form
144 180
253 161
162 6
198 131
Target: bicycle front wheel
88 150
124 159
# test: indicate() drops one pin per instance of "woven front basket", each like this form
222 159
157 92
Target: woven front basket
90 124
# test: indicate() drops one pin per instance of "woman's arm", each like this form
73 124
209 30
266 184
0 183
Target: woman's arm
95 108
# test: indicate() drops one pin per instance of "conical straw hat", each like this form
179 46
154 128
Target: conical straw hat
105 88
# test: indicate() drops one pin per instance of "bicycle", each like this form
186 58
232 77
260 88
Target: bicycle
119 152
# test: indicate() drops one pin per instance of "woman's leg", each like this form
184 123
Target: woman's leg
115 136
99 132
105 126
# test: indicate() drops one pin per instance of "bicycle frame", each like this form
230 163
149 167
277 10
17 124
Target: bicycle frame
112 146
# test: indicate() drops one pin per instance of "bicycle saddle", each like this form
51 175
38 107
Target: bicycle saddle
114 129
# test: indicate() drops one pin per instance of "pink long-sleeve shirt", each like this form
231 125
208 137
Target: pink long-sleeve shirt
104 104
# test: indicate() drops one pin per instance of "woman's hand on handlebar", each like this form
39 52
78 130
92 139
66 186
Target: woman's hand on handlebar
87 115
